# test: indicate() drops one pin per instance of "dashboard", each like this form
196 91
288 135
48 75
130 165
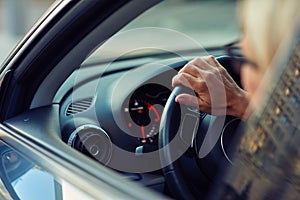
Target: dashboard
128 109
112 114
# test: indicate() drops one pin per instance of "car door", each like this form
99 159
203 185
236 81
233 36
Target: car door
30 132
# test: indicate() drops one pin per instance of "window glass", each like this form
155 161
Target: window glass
27 181
174 26
209 22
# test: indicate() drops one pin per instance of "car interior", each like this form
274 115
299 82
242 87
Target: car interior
106 112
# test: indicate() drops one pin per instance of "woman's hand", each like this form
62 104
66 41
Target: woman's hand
209 79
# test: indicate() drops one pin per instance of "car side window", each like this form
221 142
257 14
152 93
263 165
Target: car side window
27 181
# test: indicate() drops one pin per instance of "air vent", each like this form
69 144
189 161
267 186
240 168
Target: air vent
79 106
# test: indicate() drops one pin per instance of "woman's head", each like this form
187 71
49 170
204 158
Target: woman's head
266 26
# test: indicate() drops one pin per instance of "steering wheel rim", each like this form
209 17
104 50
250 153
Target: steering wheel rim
171 172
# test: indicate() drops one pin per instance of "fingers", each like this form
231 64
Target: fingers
183 79
203 63
197 75
217 91
212 61
216 65
190 100
208 63
187 80
187 99
198 67
191 69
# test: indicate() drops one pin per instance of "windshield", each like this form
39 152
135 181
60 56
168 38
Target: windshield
177 25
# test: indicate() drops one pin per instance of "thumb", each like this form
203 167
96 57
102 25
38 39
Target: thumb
188 100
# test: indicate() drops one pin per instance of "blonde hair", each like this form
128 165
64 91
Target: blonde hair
268 23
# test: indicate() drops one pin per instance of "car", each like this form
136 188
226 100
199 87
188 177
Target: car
87 107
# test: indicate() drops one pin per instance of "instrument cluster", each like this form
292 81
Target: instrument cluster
144 110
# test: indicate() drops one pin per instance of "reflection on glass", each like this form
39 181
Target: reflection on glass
35 184
27 181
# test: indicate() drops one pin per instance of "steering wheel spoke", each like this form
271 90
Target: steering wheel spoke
191 118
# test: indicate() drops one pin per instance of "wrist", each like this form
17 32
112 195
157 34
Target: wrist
241 107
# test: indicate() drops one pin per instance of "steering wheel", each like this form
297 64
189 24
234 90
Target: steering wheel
187 133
